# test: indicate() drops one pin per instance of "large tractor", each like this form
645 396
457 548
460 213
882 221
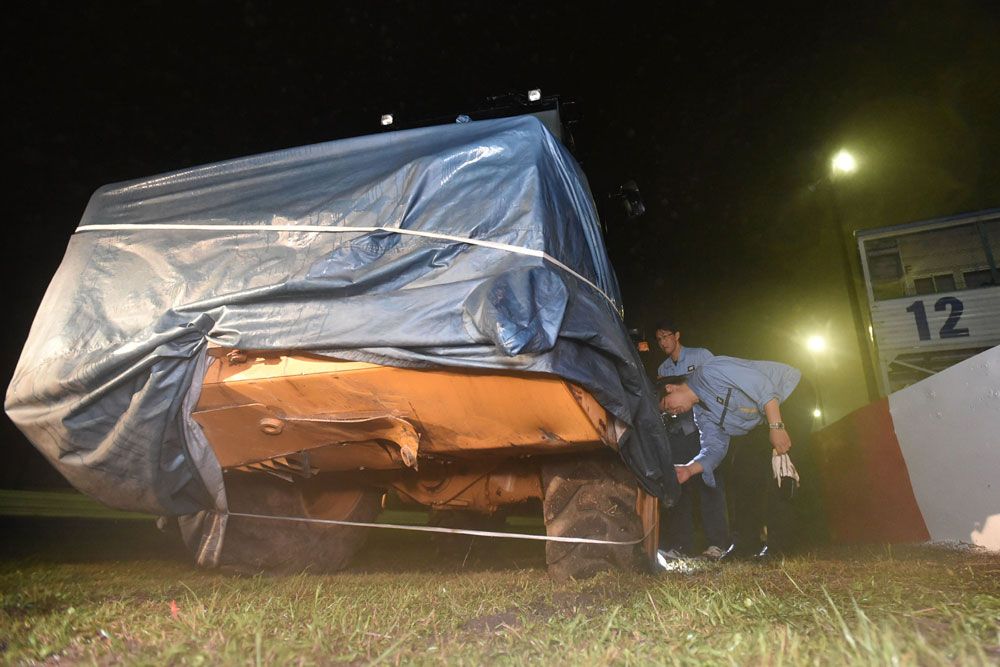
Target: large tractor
271 348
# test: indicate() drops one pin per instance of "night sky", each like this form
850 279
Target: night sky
725 118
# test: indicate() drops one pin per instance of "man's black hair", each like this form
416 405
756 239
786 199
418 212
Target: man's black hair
664 380
666 324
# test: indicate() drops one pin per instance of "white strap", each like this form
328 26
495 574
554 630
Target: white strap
307 229
436 529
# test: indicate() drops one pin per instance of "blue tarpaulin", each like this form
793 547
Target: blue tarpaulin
472 245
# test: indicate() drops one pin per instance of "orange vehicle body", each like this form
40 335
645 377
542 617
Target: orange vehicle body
446 439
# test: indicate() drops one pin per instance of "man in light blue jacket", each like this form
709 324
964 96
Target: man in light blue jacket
730 397
684 444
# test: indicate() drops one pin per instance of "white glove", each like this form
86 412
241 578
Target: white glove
782 466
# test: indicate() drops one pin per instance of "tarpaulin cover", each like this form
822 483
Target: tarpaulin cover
471 245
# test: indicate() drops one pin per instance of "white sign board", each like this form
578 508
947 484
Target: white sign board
963 319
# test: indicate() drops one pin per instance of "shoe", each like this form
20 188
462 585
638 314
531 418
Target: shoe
767 555
671 556
736 553
713 553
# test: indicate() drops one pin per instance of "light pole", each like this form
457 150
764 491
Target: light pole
844 164
816 345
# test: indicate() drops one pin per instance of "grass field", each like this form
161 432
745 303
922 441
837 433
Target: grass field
114 590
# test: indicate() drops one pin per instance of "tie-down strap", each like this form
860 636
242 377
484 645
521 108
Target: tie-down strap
437 529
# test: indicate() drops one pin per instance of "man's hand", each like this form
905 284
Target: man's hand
683 473
780 440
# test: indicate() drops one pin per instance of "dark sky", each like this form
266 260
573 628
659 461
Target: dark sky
724 118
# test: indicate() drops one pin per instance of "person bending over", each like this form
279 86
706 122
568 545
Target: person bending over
730 397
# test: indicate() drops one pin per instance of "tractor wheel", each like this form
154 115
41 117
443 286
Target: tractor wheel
593 497
255 545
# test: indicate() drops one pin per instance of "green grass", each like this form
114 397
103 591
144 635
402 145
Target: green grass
102 593
63 503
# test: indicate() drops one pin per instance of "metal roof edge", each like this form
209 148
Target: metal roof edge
934 223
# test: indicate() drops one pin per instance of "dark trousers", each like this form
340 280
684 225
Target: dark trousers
757 500
679 533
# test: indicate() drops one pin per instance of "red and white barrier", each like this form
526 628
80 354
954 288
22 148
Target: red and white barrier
923 464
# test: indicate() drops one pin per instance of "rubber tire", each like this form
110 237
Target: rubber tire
258 545
592 497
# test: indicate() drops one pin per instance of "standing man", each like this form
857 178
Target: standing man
684 445
730 397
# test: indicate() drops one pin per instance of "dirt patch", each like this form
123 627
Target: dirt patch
507 620
560 604
574 603
34 608
932 629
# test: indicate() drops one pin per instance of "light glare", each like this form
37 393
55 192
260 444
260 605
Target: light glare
816 343
386 119
844 163
817 414
534 94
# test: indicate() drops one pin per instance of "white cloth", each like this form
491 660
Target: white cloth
782 466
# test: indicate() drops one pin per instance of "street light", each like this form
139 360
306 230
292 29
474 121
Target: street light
843 163
816 345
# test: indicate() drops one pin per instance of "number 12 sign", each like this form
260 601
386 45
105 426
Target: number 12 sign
950 329
956 320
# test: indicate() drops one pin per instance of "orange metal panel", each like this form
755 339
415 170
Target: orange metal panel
244 434
452 411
